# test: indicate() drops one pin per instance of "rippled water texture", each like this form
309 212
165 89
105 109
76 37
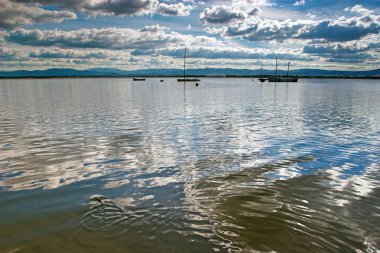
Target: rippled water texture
233 165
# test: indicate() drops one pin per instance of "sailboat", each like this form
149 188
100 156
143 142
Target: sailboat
262 79
282 79
184 79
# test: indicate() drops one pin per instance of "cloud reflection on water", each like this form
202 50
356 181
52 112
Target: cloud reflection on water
230 162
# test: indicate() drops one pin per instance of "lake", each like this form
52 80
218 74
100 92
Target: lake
233 165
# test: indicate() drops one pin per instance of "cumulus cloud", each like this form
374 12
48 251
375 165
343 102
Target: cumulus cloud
258 29
333 48
3 34
49 53
299 3
9 54
342 52
220 14
108 38
255 11
341 29
358 9
250 3
118 7
226 52
178 9
150 37
154 28
113 7
15 14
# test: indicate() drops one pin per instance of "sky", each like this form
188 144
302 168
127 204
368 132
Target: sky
143 34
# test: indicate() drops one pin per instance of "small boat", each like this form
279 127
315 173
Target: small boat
138 79
188 80
282 79
262 79
161 80
184 79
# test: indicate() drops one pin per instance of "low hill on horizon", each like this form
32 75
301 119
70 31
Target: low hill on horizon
109 72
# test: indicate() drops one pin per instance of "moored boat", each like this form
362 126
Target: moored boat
188 80
282 79
184 79
262 79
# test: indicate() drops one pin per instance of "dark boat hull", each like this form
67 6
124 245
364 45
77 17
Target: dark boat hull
138 79
283 79
262 79
188 80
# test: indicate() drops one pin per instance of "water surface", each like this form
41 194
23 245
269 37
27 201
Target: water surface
233 165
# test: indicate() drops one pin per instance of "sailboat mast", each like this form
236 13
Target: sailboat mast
287 73
275 72
261 72
184 66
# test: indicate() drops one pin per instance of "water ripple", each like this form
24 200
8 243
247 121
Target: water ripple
112 165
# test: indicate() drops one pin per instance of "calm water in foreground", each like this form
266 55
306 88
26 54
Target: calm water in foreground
112 165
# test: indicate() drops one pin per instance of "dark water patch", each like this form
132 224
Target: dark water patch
139 227
285 215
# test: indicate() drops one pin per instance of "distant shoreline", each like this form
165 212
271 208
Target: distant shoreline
228 76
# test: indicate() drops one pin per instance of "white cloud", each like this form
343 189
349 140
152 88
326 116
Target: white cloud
253 3
113 7
299 3
154 28
10 54
119 7
227 52
358 9
353 52
49 53
150 37
178 9
107 38
221 14
14 14
341 29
